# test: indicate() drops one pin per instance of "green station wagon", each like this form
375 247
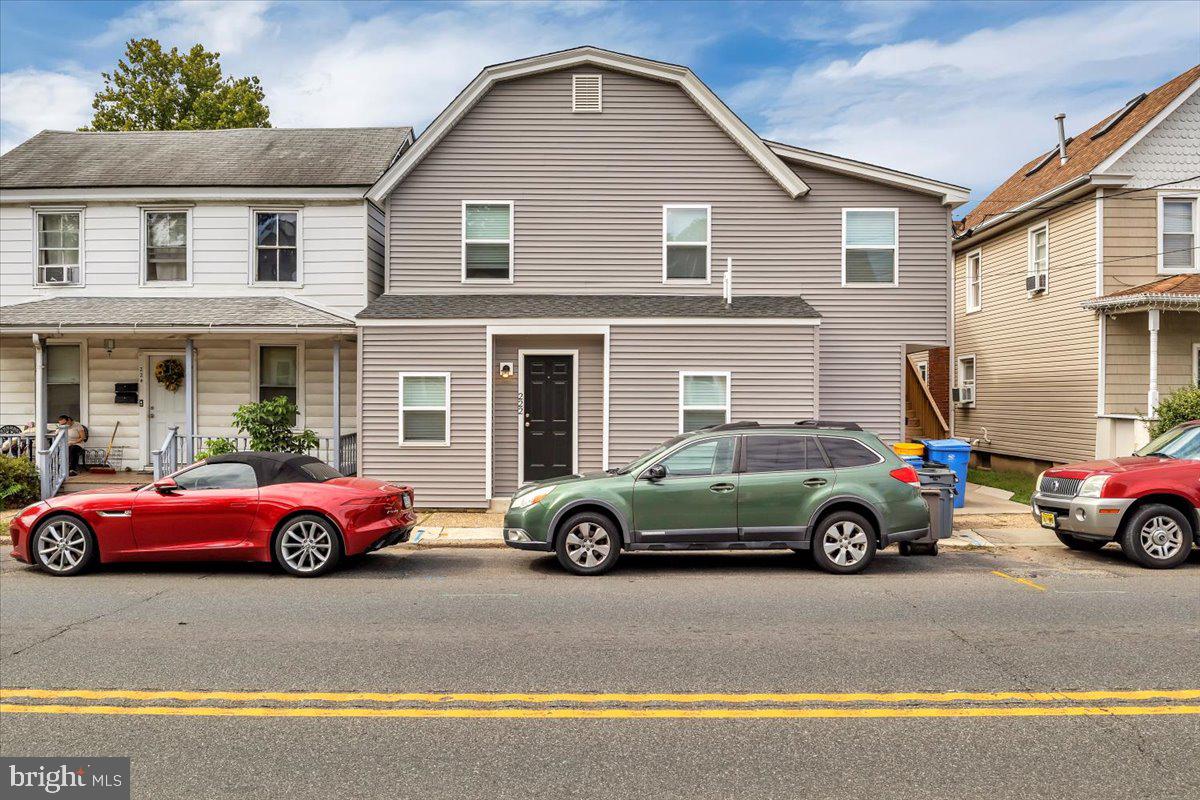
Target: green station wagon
828 489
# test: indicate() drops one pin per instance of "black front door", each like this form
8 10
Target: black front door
548 416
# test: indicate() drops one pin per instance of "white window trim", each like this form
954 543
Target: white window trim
256 345
253 266
37 212
187 211
895 247
923 371
599 92
1030 263
1196 364
958 377
511 241
1195 198
978 256
400 406
706 373
707 279
82 344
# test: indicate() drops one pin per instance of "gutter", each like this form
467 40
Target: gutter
1011 215
1146 298
65 328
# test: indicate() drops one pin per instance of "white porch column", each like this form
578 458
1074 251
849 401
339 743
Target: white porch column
1152 394
337 405
189 397
39 393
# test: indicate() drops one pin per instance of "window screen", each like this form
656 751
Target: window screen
487 241
870 246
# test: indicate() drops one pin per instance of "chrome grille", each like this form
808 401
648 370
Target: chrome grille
1062 487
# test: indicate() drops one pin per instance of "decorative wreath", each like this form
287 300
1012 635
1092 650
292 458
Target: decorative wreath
169 373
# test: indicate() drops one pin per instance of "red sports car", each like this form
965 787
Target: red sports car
293 510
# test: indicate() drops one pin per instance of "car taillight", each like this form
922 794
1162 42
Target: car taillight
907 474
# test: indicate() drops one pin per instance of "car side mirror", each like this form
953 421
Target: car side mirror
165 486
656 473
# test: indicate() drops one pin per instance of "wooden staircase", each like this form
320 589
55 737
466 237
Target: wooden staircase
922 418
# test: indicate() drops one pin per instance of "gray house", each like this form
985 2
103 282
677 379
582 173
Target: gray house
588 253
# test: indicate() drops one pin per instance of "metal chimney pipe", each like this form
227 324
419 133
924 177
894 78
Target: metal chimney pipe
1062 137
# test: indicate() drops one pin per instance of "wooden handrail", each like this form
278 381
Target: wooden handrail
920 399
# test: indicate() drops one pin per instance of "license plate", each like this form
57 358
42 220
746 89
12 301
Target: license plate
1048 519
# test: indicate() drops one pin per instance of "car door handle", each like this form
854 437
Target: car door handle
721 488
815 482
237 504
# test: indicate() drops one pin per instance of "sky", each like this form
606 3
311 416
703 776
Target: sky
959 91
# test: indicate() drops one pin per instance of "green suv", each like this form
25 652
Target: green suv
829 489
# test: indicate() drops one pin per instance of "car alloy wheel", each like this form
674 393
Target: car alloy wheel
62 546
845 543
1157 536
588 544
1161 538
307 546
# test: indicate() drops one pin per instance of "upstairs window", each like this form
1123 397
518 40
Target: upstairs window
1178 226
166 246
974 281
487 241
869 246
686 240
59 254
703 400
1037 276
276 254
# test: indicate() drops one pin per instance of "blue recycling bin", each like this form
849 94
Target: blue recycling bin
955 454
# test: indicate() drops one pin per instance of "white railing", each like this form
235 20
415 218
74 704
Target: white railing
18 445
166 459
53 464
175 452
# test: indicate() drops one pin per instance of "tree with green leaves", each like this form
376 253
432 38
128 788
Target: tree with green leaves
153 89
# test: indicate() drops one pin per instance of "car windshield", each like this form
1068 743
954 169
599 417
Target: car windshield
1181 442
646 458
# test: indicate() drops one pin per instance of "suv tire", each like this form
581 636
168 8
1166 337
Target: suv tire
588 544
1079 542
1157 536
844 543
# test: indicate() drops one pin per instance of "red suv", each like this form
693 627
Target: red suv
1149 502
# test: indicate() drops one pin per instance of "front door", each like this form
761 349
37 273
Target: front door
695 501
164 406
548 418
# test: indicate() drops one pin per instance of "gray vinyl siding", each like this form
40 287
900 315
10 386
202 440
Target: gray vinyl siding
588 191
505 419
376 252
773 377
453 475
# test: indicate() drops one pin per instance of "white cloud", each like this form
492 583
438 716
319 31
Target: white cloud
225 26
972 109
862 22
36 100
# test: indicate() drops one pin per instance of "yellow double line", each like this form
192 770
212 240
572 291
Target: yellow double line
607 705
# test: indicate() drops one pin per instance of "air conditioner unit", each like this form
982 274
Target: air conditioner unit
1036 283
963 396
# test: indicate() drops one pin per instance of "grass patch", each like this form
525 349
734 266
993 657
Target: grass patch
1019 483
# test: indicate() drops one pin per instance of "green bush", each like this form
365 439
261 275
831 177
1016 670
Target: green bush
269 423
1179 406
216 447
19 483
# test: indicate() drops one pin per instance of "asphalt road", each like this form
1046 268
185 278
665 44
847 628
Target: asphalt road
495 622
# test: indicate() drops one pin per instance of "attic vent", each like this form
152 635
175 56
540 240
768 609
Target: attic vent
1120 115
585 93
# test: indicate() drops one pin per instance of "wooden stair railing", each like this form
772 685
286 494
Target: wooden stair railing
920 405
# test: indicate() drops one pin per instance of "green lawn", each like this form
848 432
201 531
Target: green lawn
1019 483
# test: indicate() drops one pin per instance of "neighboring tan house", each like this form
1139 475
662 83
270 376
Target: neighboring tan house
1077 287
589 253
154 281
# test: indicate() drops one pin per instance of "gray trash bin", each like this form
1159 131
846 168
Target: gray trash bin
938 488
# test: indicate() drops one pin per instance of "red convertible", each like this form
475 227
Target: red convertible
293 510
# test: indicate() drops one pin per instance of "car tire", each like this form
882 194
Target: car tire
588 544
1079 542
63 545
844 543
1157 536
307 546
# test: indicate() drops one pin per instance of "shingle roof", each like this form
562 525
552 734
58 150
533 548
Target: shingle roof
168 312
239 157
559 306
1178 290
1084 154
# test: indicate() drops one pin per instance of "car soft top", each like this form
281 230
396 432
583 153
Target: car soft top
272 468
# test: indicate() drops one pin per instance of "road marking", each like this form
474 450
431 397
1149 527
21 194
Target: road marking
606 713
603 697
1022 581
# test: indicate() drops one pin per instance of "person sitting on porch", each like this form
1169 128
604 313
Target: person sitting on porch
17 446
77 434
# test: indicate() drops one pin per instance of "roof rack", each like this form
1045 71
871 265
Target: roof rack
731 426
824 423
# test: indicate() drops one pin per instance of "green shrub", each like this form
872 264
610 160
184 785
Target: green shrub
269 423
19 483
216 447
1179 406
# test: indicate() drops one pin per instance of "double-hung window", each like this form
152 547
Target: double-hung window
487 231
279 373
966 381
64 371
870 246
687 238
1179 234
59 248
425 408
165 245
703 400
1037 275
974 281
276 252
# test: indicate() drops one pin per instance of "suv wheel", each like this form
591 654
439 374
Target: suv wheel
588 545
1079 542
1157 536
844 543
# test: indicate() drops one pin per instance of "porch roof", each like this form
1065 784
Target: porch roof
591 306
1176 292
168 314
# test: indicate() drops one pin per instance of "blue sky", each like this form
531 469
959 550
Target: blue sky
961 91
